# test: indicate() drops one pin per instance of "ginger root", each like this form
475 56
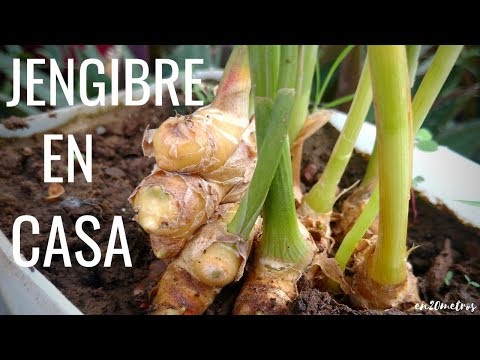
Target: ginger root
271 284
369 294
203 160
211 260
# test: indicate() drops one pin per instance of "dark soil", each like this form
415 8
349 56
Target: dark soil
118 166
14 122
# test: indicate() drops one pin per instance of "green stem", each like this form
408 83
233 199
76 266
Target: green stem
429 88
264 67
272 119
263 102
323 194
391 94
371 173
318 85
268 159
289 55
333 68
339 101
413 52
281 239
273 60
350 241
307 57
433 81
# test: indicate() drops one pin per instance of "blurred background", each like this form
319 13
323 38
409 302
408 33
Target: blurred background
454 120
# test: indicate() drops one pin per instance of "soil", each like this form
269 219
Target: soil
118 166
446 245
14 122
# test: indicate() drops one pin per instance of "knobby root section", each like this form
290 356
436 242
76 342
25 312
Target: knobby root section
271 284
368 294
211 260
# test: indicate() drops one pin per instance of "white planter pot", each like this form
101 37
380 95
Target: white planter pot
448 177
26 290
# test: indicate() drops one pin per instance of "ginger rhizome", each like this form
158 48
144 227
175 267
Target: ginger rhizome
217 254
203 160
210 261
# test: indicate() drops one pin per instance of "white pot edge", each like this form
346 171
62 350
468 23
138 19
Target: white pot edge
26 291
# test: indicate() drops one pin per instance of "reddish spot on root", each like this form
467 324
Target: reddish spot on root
229 82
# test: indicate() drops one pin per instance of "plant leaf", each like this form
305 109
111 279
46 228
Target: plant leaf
338 102
53 52
269 158
200 95
470 202
475 284
14 50
21 106
91 51
182 52
423 135
331 71
417 180
428 146
462 138
448 278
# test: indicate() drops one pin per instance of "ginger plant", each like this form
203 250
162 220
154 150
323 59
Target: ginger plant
363 214
285 249
375 296
217 254
220 232
383 277
202 160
